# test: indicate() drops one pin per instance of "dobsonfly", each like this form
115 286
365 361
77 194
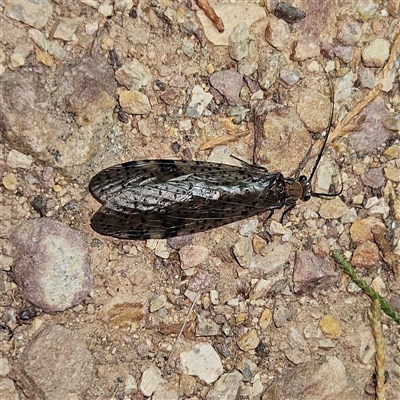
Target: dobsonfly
158 199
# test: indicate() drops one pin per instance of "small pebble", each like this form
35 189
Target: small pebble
202 361
277 33
349 32
366 255
393 174
226 387
151 378
288 13
15 159
249 341
17 60
376 53
134 102
65 28
333 209
192 255
364 10
304 48
198 102
228 83
360 230
10 181
330 327
239 42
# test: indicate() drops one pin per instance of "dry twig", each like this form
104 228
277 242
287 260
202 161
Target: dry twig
374 316
392 259
224 139
349 123
210 13
394 52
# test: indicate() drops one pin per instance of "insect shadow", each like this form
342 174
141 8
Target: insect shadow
166 198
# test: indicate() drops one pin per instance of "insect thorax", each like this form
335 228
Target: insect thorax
298 189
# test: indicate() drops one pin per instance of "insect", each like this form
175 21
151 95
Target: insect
157 199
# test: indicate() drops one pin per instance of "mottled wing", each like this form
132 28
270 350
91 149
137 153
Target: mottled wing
165 198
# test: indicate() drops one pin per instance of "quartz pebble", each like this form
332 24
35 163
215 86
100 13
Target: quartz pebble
202 361
198 102
16 159
376 53
151 378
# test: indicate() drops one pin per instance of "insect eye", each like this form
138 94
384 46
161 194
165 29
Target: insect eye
302 179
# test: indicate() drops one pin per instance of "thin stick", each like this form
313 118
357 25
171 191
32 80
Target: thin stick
180 332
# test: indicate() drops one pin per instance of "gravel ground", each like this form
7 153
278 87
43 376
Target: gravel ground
257 309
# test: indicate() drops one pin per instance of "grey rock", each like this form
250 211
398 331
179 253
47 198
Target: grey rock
34 13
312 273
343 87
205 327
311 378
269 68
226 387
374 178
373 133
133 75
58 364
228 83
52 264
64 129
283 312
239 42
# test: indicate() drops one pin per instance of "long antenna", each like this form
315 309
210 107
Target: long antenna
329 129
